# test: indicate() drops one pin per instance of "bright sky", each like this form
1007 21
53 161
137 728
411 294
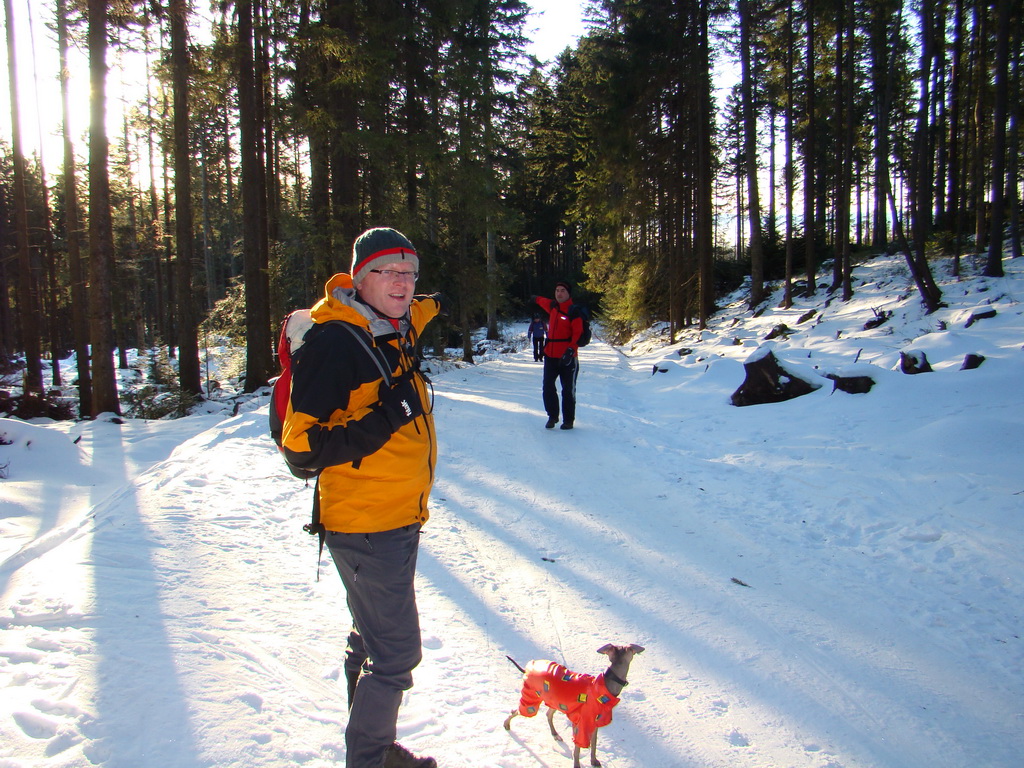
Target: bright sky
553 25
39 88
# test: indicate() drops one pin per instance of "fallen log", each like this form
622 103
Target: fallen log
852 385
980 314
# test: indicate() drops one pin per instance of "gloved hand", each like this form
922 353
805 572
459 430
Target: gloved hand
401 402
568 358
442 302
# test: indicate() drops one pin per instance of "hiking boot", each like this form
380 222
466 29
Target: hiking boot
567 425
551 424
397 756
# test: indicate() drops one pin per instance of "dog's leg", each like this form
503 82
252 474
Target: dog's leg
593 751
576 757
508 720
551 723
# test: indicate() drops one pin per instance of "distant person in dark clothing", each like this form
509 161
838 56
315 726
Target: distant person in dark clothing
538 331
560 355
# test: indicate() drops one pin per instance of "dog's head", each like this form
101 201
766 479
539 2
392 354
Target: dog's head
621 652
621 656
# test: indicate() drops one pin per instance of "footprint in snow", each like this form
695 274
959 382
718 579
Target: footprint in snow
35 725
737 739
254 700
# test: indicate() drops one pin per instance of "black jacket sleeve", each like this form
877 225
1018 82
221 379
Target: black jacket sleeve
326 371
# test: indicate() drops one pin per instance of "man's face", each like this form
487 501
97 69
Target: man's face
389 288
561 294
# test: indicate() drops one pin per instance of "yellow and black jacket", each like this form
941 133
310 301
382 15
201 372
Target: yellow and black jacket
376 475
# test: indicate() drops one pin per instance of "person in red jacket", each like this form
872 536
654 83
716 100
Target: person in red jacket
561 362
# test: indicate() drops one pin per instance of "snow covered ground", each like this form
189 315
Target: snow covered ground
834 581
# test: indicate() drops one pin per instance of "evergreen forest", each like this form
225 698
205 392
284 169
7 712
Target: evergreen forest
682 148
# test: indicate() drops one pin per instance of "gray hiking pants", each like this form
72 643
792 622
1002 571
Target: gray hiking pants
378 570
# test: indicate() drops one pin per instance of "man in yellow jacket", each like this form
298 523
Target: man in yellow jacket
360 410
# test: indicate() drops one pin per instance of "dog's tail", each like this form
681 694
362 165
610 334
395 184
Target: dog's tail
515 664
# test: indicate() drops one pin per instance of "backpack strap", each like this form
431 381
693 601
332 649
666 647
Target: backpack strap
372 351
315 528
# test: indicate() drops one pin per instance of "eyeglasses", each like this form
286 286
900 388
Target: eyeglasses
393 274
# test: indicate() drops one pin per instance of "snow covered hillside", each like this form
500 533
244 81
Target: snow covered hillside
834 581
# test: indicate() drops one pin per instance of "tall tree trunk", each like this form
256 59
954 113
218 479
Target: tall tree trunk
266 78
491 259
49 258
257 319
134 316
170 320
810 259
787 299
161 331
212 282
125 265
747 85
28 299
939 117
188 325
978 171
490 235
921 167
994 263
836 172
954 197
1013 200
772 219
79 295
7 334
319 254
101 235
322 256
846 176
885 29
344 143
704 230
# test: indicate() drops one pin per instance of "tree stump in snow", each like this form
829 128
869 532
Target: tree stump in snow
914 361
767 382
779 330
972 361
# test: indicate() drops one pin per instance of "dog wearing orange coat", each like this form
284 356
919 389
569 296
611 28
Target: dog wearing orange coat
585 699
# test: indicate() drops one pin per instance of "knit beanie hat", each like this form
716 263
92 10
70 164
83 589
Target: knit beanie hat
568 288
377 247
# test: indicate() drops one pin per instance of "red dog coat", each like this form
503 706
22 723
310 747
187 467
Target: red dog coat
583 698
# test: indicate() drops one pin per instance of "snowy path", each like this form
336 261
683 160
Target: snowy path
632 528
177 624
